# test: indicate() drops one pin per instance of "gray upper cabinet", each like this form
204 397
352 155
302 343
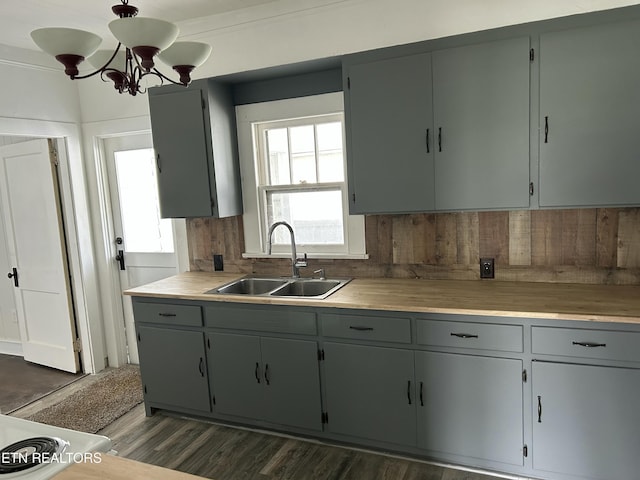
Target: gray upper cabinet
194 136
389 129
447 130
589 110
481 117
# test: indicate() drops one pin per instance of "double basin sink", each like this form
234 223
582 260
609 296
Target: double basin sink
315 288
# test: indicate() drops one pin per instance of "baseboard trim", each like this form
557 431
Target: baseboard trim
11 348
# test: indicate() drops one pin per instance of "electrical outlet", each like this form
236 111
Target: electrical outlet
218 264
487 268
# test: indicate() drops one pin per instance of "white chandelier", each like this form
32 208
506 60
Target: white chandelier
143 40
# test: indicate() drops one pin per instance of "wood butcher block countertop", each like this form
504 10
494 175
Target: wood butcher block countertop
605 303
118 468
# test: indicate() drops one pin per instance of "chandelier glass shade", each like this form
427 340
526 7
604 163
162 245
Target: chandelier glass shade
140 39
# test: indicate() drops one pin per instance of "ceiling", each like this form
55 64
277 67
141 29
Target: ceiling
19 18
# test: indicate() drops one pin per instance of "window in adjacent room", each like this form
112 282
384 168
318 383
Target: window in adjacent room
293 162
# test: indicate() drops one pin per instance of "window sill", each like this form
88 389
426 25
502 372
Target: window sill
321 256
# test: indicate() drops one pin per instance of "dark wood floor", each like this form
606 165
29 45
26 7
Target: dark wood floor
224 453
23 382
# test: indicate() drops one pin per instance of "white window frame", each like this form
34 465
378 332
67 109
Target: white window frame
247 116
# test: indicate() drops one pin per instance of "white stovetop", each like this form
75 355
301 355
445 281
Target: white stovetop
15 429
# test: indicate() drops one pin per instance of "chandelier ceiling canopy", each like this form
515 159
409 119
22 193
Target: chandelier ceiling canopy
143 40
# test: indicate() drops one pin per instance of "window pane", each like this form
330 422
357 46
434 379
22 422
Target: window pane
143 229
278 155
302 140
316 217
304 168
303 154
330 159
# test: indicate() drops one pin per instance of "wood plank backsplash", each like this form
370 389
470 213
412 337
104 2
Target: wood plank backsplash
595 246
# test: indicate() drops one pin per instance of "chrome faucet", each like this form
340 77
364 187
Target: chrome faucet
296 262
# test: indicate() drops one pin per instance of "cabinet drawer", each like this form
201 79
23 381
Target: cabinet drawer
482 336
384 329
575 342
263 320
168 314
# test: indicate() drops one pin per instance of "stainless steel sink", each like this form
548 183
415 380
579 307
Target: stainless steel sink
316 288
250 286
307 288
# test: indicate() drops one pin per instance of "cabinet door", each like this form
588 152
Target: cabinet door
589 104
586 420
390 135
173 367
291 382
481 116
236 374
370 392
178 130
470 406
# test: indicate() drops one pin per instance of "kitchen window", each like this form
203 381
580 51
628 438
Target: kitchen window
293 165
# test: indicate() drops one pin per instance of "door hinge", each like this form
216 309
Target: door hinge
524 375
320 355
525 451
53 154
532 55
77 345
325 418
353 197
531 189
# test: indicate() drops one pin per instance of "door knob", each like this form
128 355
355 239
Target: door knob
14 275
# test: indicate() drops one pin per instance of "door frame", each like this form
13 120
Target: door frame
107 268
77 224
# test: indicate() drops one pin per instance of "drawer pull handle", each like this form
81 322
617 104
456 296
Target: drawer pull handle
266 373
166 314
464 335
200 367
409 391
360 329
539 409
589 344
256 373
421 394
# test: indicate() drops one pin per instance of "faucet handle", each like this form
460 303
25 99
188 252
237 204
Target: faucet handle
321 272
301 262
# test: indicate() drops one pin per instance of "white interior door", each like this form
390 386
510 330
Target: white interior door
37 252
144 243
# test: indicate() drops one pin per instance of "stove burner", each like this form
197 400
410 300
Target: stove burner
20 455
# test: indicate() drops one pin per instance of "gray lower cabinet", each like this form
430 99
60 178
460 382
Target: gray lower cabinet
586 420
370 392
470 406
173 368
589 107
263 378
